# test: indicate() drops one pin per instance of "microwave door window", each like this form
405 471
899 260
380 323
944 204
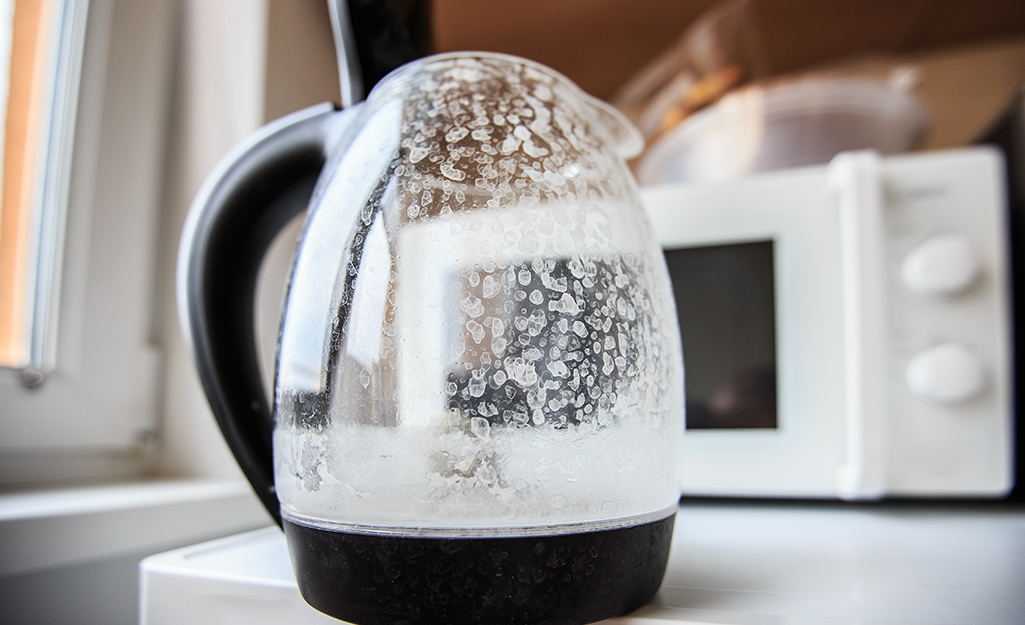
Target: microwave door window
725 299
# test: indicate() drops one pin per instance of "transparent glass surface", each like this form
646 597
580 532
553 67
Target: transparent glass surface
479 330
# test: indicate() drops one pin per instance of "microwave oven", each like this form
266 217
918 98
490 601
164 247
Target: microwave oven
846 328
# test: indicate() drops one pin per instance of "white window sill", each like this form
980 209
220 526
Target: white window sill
54 527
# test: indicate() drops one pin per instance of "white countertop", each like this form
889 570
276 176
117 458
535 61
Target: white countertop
64 526
749 563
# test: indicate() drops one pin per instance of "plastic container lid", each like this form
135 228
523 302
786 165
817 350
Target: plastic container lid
785 125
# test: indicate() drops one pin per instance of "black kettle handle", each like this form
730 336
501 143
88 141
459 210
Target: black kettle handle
249 197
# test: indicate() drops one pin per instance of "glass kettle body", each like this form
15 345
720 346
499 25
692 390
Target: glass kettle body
479 386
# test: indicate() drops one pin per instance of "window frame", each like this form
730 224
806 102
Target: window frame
101 395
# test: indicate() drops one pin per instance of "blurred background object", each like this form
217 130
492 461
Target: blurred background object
708 114
717 53
601 44
961 61
954 65
803 121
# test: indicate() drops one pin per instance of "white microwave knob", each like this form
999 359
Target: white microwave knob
943 265
947 373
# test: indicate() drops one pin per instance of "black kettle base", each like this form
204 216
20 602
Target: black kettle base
565 579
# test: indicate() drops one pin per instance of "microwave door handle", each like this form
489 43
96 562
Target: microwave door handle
855 180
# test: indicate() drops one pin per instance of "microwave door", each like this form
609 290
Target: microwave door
762 332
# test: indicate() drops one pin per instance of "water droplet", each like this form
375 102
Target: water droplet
608 366
450 172
480 427
476 331
456 134
417 154
510 145
476 386
558 368
471 305
536 322
521 371
566 304
491 287
535 151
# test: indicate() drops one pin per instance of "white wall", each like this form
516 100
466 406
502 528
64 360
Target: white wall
217 100
80 566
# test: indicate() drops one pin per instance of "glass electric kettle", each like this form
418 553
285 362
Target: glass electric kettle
479 384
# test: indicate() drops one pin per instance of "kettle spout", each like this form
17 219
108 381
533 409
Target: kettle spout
627 139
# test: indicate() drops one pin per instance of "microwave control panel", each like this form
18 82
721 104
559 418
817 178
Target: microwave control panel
947 285
877 360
